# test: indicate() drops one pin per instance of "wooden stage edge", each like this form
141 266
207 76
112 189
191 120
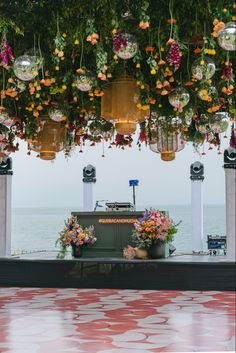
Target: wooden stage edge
179 272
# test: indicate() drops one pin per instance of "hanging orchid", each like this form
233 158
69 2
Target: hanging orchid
6 53
174 55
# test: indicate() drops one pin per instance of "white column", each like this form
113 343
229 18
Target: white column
197 216
5 215
230 191
88 202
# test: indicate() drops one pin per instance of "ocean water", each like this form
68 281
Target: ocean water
37 228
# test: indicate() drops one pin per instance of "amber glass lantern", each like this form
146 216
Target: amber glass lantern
167 143
50 140
119 104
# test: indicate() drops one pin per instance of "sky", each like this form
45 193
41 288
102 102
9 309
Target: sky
38 183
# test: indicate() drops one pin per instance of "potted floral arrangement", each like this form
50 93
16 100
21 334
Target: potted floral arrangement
153 231
74 235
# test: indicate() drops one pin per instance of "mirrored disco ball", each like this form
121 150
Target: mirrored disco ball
203 69
25 68
227 37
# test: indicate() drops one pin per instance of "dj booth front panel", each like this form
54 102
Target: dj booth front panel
112 229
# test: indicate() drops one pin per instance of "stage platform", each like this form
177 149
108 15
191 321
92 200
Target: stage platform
178 272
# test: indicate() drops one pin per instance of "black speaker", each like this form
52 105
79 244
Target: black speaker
89 174
6 166
197 170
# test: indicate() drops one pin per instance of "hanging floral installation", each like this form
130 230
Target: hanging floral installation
96 72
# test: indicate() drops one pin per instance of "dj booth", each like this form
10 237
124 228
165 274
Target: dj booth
113 230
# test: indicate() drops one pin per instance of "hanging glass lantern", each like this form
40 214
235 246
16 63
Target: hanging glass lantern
179 97
85 82
227 37
50 139
25 68
203 69
219 123
57 113
206 94
125 45
202 125
119 104
36 56
166 142
5 119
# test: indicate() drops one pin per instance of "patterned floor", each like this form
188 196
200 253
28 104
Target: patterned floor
44 320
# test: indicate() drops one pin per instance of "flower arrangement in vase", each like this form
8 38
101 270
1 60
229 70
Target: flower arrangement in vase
152 232
76 236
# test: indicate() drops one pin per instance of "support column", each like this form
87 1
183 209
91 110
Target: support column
230 194
89 179
197 177
5 207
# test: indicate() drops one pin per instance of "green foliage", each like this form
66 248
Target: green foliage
63 26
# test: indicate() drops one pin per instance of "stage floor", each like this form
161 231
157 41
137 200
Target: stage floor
187 258
178 272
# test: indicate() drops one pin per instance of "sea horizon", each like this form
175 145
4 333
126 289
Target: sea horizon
37 228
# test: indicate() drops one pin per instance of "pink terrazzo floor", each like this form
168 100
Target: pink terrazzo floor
45 320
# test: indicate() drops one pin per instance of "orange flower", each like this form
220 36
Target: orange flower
144 24
197 51
189 83
227 90
98 93
164 92
217 28
166 83
95 36
170 41
151 100
171 20
161 62
80 71
213 109
149 49
36 114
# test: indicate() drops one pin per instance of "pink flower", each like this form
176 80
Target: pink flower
129 252
175 55
6 54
